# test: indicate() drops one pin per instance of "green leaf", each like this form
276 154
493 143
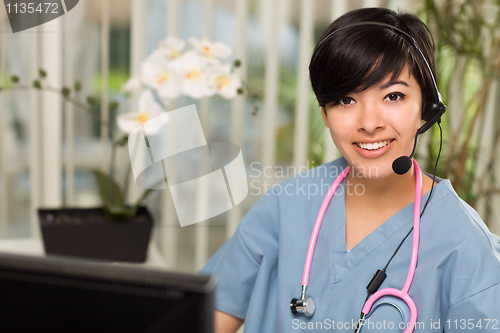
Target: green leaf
122 141
120 213
111 194
42 73
37 84
14 79
113 106
147 192
66 91
78 86
91 100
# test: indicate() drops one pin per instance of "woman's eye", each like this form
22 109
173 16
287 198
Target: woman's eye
393 97
346 101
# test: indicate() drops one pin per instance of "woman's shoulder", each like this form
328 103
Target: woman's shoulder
454 230
457 217
456 244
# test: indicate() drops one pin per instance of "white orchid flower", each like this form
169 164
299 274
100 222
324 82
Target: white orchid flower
223 82
197 73
148 109
192 69
171 47
157 73
211 49
132 85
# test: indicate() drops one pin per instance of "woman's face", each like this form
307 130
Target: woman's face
373 127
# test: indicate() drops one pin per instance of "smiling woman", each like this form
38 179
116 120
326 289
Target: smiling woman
372 128
375 126
373 75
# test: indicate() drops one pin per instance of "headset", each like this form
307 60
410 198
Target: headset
401 165
436 109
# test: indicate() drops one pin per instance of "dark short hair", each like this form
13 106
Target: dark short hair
358 57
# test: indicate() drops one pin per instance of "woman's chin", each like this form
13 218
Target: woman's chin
373 170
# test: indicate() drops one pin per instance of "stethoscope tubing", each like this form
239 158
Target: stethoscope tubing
317 225
403 293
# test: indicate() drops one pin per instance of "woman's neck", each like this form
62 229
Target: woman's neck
371 201
393 189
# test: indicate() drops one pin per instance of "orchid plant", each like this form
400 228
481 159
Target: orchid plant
168 73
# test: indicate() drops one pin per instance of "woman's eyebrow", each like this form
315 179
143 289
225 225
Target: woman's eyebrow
391 83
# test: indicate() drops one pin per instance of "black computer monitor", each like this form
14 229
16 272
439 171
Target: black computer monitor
52 294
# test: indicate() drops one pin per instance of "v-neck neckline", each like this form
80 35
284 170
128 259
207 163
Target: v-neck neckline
342 260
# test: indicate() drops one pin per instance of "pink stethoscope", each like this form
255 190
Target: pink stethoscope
306 304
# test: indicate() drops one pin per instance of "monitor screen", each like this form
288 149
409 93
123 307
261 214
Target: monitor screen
52 294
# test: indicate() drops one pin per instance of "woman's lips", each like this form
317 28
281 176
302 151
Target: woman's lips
370 152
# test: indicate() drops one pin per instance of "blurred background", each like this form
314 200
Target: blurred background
49 146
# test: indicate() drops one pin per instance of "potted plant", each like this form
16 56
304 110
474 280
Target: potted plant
117 231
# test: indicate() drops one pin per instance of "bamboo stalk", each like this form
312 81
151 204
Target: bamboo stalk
479 111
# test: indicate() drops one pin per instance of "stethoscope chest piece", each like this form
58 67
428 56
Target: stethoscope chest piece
305 306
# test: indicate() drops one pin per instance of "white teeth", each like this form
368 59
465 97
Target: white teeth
373 146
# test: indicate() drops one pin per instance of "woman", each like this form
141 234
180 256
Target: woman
375 89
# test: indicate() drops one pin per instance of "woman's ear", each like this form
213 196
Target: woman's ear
324 116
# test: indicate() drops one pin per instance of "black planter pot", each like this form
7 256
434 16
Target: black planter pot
81 232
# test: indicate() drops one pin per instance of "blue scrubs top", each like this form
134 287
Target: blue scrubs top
455 288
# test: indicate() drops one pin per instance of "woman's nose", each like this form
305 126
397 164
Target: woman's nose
371 119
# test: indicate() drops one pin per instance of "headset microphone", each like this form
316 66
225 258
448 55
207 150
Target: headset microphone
402 164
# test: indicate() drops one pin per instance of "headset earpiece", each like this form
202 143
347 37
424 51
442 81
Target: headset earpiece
436 111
